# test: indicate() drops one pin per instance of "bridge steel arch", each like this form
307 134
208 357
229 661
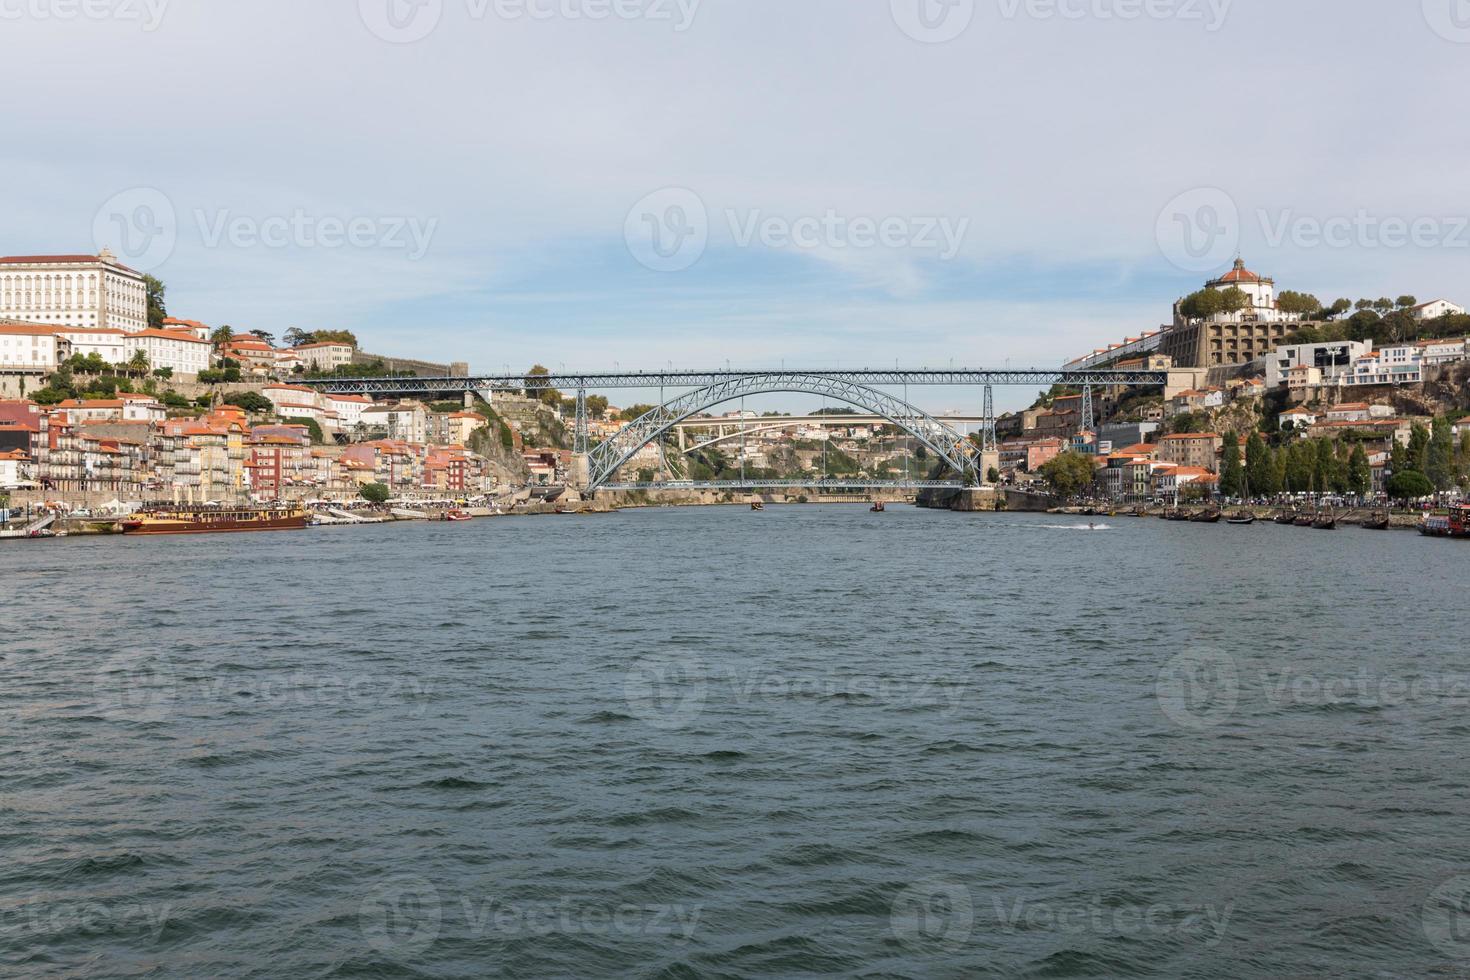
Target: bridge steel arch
606 459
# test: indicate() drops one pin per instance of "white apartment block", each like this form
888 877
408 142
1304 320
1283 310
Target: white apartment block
73 291
1403 364
324 356
1333 360
183 352
106 344
27 347
349 409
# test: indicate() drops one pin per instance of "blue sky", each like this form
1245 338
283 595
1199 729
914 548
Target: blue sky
521 148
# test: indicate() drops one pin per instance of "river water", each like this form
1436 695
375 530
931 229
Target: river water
687 743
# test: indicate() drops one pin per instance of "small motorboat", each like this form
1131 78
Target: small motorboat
757 505
877 507
458 515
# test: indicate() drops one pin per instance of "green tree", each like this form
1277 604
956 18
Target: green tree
1232 473
633 412
1234 299
157 308
1325 474
1407 302
1440 467
548 396
221 335
1258 469
1300 304
1419 448
1410 485
1300 467
992 475
1069 473
1360 473
138 363
252 401
295 337
1201 305
375 493
1337 309
312 428
264 336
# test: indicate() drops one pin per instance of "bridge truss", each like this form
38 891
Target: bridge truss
707 389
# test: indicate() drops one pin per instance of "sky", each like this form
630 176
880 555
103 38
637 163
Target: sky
825 183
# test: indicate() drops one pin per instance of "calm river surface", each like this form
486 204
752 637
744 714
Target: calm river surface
690 743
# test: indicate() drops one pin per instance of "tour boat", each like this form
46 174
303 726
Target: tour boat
459 515
1455 524
1285 517
1243 520
1211 516
1304 520
215 520
1377 521
1325 522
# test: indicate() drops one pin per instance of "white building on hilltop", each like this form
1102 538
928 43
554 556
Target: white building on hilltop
1260 290
95 291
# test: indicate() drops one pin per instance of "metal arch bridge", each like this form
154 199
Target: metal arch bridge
605 381
604 460
711 388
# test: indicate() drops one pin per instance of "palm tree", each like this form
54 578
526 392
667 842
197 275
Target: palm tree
139 362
